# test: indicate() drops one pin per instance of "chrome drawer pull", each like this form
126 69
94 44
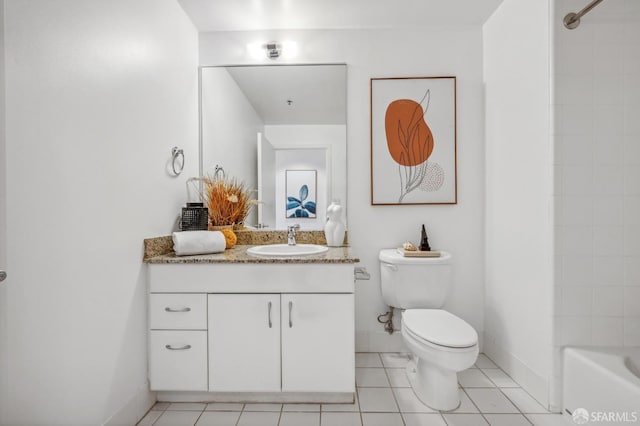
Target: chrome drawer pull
183 348
168 309
270 325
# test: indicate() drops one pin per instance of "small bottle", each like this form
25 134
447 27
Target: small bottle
334 228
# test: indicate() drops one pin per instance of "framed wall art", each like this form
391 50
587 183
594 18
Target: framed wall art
301 191
413 140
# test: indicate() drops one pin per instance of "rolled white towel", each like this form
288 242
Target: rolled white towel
198 242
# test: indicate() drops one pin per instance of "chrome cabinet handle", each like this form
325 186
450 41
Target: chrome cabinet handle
168 309
290 308
270 325
182 348
3 276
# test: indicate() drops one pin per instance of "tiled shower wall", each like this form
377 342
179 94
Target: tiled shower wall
596 76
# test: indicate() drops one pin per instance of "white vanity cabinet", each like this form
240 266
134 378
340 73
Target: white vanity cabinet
268 329
244 342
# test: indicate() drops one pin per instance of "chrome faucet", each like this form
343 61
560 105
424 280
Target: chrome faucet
291 234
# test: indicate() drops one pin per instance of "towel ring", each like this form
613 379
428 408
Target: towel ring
219 172
176 153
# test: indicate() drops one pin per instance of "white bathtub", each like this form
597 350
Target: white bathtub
603 381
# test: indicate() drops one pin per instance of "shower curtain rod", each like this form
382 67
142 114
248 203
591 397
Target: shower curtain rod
572 20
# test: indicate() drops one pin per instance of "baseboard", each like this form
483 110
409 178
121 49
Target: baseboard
555 390
134 410
264 397
528 379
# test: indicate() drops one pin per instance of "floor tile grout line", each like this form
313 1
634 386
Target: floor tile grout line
147 413
395 399
518 408
504 372
201 413
475 405
483 414
358 399
507 396
241 411
445 420
487 377
156 420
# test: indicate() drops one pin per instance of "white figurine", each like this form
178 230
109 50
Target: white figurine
334 228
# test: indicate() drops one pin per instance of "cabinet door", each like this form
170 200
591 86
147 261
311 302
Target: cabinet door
178 360
244 342
318 343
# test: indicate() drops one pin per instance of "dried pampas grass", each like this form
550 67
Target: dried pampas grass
228 201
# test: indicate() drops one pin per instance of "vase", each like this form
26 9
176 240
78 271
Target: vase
334 229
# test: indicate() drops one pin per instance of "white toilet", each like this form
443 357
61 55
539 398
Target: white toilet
441 343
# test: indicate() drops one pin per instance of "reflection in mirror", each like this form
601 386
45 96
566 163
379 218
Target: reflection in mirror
258 122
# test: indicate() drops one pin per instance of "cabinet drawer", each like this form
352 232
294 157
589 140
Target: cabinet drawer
178 360
178 311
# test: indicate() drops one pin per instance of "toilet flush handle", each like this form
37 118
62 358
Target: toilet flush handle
390 266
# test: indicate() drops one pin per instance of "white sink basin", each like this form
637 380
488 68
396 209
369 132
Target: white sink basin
285 250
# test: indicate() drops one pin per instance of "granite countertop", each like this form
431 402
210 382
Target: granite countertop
238 254
160 250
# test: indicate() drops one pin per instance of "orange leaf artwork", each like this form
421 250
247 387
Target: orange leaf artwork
409 140
413 140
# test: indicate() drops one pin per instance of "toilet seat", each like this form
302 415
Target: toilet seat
439 327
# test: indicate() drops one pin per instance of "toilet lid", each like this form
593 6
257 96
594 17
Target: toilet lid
440 328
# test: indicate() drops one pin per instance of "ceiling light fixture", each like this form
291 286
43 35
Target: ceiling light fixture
273 50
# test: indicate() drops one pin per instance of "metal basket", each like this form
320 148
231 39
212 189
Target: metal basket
195 217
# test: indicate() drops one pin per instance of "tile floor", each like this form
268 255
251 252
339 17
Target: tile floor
384 398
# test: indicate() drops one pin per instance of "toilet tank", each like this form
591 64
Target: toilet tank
414 282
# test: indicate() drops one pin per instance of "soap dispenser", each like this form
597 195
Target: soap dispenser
334 229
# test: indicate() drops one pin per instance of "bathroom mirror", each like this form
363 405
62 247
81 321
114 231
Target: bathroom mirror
282 130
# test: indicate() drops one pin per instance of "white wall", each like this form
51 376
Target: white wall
333 138
434 51
230 126
97 95
519 187
597 125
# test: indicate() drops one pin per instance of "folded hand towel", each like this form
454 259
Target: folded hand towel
198 242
